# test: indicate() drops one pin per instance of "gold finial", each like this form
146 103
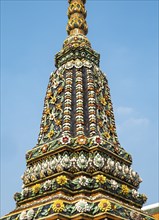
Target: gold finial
76 15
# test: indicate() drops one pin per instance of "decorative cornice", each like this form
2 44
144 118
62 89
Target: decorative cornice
81 184
89 162
90 207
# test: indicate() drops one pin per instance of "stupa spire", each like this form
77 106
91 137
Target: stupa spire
78 169
76 18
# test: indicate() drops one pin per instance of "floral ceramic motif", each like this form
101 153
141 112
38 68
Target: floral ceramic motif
65 139
27 215
65 162
104 205
98 160
82 206
52 114
81 140
81 161
61 180
47 185
36 188
89 184
83 181
30 214
114 184
25 192
125 189
58 206
100 179
23 215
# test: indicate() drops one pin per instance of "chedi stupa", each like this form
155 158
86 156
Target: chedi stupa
78 169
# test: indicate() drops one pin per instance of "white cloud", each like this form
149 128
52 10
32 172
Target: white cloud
128 118
136 122
124 110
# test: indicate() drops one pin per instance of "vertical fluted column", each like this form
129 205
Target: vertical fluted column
91 102
67 103
79 104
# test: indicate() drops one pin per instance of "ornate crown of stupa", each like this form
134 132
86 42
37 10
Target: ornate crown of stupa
78 169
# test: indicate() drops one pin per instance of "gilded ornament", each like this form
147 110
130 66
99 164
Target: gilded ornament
106 135
59 90
45 128
108 112
103 101
59 106
76 7
100 123
111 128
47 111
58 122
49 94
50 134
53 100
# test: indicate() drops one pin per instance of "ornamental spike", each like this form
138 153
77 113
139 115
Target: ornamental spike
76 18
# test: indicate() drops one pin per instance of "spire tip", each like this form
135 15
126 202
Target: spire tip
76 15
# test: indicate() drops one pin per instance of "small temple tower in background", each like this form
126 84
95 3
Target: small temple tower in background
78 170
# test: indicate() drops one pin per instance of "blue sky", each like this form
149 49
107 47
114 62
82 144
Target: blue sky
126 36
